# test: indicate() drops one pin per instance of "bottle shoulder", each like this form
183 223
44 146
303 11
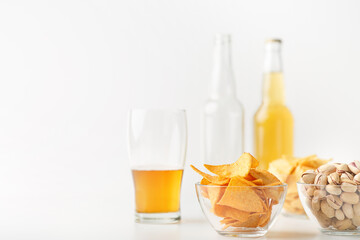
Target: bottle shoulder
273 111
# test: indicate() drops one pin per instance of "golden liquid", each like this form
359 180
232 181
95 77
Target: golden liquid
273 123
157 191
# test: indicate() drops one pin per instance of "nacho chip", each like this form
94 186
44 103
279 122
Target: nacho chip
312 162
264 175
218 180
240 201
264 220
204 181
239 196
251 222
269 180
229 212
227 220
215 194
258 182
297 166
239 168
281 168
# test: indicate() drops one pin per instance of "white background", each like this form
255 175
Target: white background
70 70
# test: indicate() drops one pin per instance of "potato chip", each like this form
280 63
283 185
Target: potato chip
264 175
289 170
281 168
241 202
239 168
225 211
264 220
215 194
252 222
218 180
258 182
312 162
241 197
227 220
268 180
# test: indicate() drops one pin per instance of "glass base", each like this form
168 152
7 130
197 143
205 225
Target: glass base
158 218
341 233
243 234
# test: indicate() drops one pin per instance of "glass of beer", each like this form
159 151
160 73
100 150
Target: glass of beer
157 151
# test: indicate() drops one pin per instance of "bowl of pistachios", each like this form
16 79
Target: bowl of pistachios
330 196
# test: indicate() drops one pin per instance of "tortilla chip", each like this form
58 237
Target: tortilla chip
258 182
227 220
215 194
281 168
264 220
269 180
312 162
218 180
229 212
251 222
239 168
241 197
264 175
204 181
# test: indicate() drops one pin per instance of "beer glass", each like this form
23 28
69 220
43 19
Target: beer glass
157 150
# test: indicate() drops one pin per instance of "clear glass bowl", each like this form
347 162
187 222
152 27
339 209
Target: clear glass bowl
241 211
333 211
292 205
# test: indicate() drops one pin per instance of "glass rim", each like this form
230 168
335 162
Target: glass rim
276 186
315 185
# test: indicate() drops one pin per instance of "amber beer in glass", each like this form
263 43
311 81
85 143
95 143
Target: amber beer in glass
157 149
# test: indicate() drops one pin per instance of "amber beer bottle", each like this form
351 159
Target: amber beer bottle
273 121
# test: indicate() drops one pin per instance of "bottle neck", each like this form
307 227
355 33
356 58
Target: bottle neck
273 88
222 84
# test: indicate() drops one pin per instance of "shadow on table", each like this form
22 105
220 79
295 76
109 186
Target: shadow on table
291 235
194 221
156 232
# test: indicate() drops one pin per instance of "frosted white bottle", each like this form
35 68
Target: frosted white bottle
223 115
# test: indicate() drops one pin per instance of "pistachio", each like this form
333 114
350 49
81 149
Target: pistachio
348 210
315 205
308 176
356 208
357 178
326 209
333 189
310 191
334 201
319 194
334 178
349 186
352 227
343 224
346 176
342 167
349 197
339 214
307 202
327 168
354 167
323 220
321 179
356 221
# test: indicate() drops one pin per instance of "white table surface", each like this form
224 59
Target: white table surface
102 216
284 228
